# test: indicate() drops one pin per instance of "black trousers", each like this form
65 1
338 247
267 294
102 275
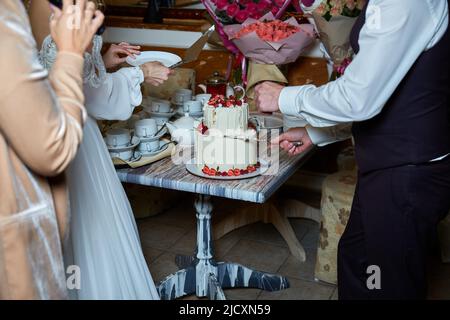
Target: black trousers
391 226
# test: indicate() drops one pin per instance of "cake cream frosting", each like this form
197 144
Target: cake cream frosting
224 143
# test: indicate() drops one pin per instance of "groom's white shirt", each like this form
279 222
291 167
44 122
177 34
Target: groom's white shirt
394 36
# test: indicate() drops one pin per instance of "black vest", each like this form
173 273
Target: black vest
414 125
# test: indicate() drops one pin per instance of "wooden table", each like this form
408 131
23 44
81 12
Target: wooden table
202 274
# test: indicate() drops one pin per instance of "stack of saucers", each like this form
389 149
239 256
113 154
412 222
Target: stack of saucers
121 145
150 134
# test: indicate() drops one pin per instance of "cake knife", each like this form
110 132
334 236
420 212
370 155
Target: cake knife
193 51
296 143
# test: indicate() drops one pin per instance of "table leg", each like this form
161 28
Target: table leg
204 276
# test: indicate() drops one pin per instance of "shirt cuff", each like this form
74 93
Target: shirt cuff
288 101
321 136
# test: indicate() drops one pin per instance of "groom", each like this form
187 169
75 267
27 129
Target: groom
396 94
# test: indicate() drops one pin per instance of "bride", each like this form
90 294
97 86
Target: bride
104 240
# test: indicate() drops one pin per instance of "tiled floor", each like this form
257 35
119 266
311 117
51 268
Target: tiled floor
259 246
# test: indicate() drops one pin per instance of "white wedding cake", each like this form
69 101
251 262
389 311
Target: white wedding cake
224 145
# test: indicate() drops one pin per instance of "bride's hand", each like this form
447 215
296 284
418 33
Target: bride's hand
118 53
155 73
73 27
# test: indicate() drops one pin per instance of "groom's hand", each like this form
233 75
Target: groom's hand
294 141
266 96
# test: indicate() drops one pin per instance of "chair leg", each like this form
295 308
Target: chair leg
268 213
284 227
292 208
240 217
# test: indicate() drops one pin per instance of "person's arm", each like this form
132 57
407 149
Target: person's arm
395 34
327 135
117 97
41 116
43 126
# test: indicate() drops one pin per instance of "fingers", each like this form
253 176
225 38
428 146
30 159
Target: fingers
279 139
89 11
286 145
56 12
129 46
97 21
298 150
122 50
66 5
81 4
155 83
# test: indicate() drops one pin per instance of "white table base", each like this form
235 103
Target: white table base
207 278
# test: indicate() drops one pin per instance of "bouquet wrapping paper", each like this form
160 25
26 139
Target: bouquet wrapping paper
269 52
335 36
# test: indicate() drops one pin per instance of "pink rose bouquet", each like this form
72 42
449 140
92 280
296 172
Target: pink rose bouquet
269 40
237 11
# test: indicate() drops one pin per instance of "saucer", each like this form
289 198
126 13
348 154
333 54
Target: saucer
176 103
134 143
162 114
137 155
197 114
154 153
151 138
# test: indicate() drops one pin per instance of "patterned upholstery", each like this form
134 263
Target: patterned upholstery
337 196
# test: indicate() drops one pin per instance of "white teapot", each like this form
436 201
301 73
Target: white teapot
183 129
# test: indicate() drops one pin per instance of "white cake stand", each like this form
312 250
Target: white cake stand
192 167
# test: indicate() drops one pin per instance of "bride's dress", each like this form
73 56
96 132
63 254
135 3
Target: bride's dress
104 240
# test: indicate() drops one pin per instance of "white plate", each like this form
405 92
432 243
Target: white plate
166 58
191 167
154 153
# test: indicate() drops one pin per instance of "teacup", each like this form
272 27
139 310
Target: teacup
124 155
182 95
160 121
192 106
132 121
145 128
203 97
119 137
149 146
162 106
